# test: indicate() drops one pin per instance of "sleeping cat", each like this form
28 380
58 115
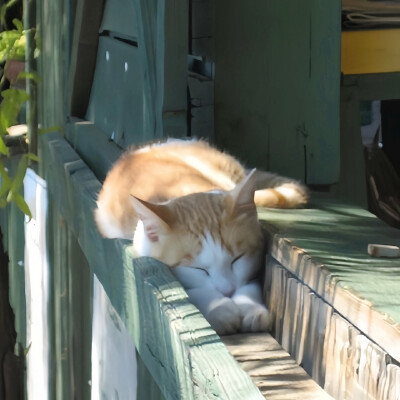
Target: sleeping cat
193 208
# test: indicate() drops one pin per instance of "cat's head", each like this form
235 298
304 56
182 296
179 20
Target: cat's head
209 227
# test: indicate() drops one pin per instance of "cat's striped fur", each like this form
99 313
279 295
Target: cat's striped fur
172 169
193 208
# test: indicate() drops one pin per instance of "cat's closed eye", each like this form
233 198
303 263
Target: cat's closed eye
202 269
237 258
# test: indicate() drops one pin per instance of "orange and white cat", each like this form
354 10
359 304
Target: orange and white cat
194 208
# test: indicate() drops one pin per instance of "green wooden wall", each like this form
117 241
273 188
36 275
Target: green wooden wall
277 85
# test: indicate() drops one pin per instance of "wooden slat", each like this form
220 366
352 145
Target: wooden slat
120 17
82 134
374 86
117 97
339 357
352 183
325 246
272 369
279 91
202 18
174 80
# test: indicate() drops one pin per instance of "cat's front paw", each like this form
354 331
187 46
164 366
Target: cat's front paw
257 319
224 317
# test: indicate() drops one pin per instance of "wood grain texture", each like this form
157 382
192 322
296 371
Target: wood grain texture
277 84
374 86
272 369
325 246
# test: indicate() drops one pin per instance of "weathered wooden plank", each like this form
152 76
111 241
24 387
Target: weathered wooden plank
339 357
240 80
80 299
204 47
271 368
120 17
374 86
202 18
352 178
326 248
280 91
327 274
174 55
203 122
117 97
74 188
60 321
81 134
201 90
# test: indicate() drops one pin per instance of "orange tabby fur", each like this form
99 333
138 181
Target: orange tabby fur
193 208
188 218
173 169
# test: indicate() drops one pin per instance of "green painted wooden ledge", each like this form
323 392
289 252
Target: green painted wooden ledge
325 247
183 354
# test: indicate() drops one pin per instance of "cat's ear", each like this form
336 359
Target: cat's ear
155 217
243 194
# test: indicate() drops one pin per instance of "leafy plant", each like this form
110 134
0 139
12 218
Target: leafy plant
10 188
12 47
13 43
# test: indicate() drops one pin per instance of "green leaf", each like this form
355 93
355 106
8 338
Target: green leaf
13 41
32 157
12 186
5 182
7 42
3 148
4 188
26 351
29 75
10 107
18 180
3 173
18 24
3 10
21 204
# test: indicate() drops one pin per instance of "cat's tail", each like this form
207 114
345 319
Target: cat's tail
279 192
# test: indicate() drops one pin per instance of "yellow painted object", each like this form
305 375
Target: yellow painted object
371 51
